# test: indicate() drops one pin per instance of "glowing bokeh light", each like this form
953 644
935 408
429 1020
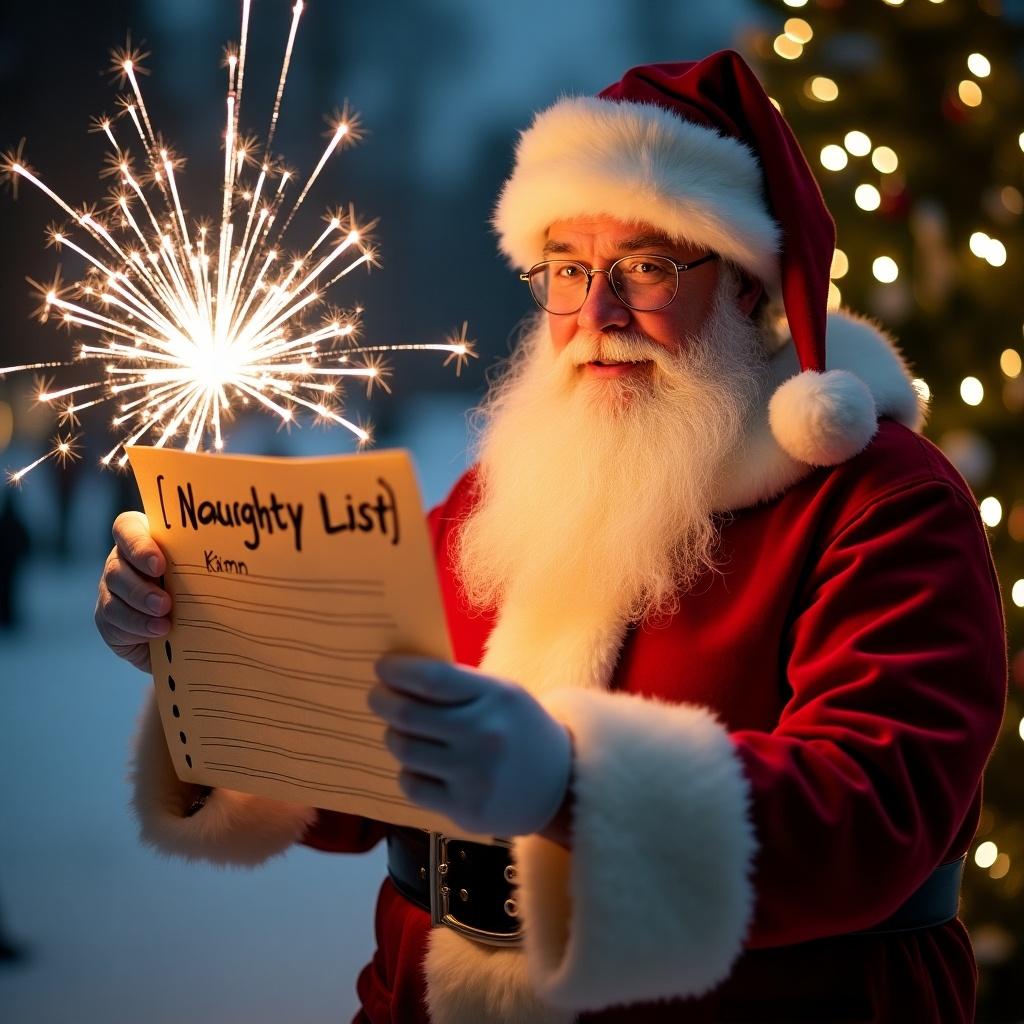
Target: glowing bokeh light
885 269
857 143
867 197
834 158
884 160
985 855
822 89
979 66
970 93
991 511
798 30
972 391
787 48
1001 866
1010 363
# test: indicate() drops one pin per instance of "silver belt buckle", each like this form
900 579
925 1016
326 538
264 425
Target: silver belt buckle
441 904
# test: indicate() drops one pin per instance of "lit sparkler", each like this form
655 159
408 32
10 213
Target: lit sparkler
189 321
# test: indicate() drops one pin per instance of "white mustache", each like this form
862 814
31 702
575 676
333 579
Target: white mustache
615 348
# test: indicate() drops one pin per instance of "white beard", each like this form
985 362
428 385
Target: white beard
596 492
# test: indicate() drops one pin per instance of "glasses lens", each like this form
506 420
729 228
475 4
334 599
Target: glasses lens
559 286
645 282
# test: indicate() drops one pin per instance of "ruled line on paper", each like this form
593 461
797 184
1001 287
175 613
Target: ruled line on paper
233 769
337 581
225 715
244 661
282 643
370 588
233 743
270 697
340 619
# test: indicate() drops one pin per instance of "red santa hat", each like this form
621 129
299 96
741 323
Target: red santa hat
698 150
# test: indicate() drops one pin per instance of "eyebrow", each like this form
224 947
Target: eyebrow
634 244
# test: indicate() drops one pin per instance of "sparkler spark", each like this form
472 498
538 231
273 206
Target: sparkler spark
190 321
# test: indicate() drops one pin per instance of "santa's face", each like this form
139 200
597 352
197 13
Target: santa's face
597 490
597 242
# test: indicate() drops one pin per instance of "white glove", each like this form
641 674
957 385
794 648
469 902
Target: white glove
477 749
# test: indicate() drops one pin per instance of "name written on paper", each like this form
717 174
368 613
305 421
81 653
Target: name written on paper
339 514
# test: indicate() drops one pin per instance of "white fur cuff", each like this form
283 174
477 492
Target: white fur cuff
231 828
655 899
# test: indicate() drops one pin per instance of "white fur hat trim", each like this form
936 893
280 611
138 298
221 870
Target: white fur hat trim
638 162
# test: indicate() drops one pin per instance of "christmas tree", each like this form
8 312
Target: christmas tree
912 114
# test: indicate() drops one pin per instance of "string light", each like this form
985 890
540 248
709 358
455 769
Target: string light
885 269
835 296
857 143
1001 867
989 249
798 30
1015 522
822 89
1020 140
1020 728
979 65
972 391
985 855
884 160
920 385
1010 363
6 425
1012 199
834 158
894 3
787 48
867 197
1017 594
795 3
991 512
979 244
840 265
776 104
970 93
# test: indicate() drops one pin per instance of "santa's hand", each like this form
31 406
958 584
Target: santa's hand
479 750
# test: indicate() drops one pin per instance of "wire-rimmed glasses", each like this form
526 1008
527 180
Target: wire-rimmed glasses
641 282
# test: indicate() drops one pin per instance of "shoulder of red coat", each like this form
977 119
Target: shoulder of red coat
898 458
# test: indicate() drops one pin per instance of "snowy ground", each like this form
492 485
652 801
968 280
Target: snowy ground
115 933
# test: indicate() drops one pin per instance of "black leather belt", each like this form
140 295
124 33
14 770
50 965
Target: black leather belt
466 886
470 887
936 901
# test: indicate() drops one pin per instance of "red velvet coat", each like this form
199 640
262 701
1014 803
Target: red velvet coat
854 649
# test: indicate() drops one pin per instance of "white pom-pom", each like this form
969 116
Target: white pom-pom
823 419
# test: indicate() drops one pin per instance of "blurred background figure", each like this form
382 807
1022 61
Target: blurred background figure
14 549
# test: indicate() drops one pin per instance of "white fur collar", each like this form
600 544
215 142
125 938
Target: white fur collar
762 469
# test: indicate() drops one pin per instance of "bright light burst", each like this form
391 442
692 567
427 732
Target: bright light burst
188 322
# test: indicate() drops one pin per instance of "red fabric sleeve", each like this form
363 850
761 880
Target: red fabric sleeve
897 669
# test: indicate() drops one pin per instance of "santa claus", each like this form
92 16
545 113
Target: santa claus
729 642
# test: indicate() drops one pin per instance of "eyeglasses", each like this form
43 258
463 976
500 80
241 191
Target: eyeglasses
643 283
